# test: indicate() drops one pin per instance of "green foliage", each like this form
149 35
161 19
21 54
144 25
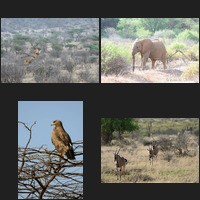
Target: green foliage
43 40
20 39
109 22
153 24
127 27
133 27
57 47
188 35
92 47
176 46
2 51
71 46
17 48
167 125
114 57
165 34
192 52
142 33
109 125
177 31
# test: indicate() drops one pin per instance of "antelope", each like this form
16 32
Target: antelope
151 155
153 152
120 162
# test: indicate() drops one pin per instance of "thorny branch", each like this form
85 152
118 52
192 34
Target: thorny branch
30 130
45 174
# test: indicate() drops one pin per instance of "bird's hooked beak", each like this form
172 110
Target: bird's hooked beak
52 124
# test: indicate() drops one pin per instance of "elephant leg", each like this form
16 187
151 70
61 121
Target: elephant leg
145 59
164 63
153 63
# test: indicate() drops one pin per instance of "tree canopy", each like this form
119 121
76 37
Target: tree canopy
134 27
109 125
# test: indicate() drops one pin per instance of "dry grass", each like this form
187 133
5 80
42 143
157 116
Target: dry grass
138 170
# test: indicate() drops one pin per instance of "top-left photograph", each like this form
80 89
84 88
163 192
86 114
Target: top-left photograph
49 50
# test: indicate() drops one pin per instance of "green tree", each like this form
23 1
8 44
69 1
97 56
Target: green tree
153 24
109 125
20 39
127 27
109 22
43 43
17 48
56 49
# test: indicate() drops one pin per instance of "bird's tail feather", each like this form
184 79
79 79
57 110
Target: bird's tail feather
70 154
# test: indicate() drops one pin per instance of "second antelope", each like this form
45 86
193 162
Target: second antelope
120 163
153 152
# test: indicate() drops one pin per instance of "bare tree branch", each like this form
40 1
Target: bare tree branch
45 174
19 171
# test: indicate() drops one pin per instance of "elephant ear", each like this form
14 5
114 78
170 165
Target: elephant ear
134 43
146 45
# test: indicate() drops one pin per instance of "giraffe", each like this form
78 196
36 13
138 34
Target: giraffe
29 59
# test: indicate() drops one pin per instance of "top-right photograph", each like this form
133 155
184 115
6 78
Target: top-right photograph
149 50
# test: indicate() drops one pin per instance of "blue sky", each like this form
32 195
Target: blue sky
44 113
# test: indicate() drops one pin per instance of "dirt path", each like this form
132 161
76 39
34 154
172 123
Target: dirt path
150 76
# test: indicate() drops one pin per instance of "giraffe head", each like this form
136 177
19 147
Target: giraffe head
36 52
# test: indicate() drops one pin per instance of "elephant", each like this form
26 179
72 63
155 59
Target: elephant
153 49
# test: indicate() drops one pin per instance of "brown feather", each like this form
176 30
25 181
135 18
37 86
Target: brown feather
61 140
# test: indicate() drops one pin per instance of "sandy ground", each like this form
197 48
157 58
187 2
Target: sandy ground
170 75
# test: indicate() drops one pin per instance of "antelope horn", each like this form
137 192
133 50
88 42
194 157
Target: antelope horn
115 151
118 150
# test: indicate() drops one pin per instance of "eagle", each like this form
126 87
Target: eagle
62 141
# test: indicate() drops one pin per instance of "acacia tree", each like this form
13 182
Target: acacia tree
109 125
45 174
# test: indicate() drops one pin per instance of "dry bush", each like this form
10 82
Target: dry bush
12 69
140 178
80 67
165 144
168 156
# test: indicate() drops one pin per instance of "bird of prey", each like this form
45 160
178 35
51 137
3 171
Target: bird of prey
62 141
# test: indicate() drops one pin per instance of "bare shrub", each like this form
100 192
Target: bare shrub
11 73
181 143
68 63
84 55
140 177
87 73
116 66
65 77
146 141
167 156
93 59
165 144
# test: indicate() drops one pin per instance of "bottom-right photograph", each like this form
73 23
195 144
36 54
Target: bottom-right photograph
149 150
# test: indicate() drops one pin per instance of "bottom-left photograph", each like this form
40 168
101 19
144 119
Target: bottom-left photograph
50 149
